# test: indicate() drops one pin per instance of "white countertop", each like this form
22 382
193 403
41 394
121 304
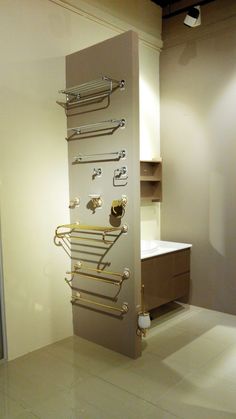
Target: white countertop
150 248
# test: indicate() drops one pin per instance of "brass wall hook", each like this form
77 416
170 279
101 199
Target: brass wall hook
96 201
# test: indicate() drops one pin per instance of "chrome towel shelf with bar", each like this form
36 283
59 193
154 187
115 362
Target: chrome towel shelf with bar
86 158
77 298
96 128
70 231
94 90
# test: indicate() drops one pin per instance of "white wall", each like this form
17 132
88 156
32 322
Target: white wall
149 132
34 39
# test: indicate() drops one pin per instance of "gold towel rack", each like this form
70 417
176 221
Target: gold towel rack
96 276
70 230
77 297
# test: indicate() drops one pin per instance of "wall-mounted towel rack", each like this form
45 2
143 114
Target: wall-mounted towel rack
77 297
98 128
100 275
91 91
113 155
71 231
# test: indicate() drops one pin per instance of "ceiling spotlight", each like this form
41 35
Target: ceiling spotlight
193 17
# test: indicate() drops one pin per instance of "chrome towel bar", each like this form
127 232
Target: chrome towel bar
113 155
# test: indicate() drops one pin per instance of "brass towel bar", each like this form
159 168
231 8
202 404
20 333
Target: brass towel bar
107 281
69 230
96 276
77 297
125 274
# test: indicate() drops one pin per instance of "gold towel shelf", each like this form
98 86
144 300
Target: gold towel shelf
96 275
98 128
89 92
70 230
77 297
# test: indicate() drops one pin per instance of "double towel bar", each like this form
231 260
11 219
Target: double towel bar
71 231
92 91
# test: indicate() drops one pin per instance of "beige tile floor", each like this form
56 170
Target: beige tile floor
188 370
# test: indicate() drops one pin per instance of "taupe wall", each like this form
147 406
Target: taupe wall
198 125
117 58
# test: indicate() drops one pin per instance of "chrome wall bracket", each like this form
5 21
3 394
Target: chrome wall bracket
120 177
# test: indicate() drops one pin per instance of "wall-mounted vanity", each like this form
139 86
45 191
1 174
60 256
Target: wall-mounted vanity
165 271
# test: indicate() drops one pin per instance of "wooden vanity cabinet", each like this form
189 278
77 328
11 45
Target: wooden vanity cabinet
165 278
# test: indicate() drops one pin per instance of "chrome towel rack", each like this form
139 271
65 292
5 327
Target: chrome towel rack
114 155
76 297
91 91
70 231
99 127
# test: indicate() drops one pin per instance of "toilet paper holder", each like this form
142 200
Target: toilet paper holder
118 207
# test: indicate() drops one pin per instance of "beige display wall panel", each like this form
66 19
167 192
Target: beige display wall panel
116 58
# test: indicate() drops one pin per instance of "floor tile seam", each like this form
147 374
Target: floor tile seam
19 402
181 334
186 329
29 406
31 381
160 357
226 345
189 374
171 322
75 367
29 375
151 334
222 378
31 412
138 397
186 377
67 392
205 338
212 358
61 359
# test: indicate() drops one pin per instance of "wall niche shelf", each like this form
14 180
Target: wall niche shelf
151 180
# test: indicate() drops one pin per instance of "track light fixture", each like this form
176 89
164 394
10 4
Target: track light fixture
193 17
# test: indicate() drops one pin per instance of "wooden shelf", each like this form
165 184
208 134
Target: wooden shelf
151 180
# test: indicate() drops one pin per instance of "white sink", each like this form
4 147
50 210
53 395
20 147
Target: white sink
150 248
